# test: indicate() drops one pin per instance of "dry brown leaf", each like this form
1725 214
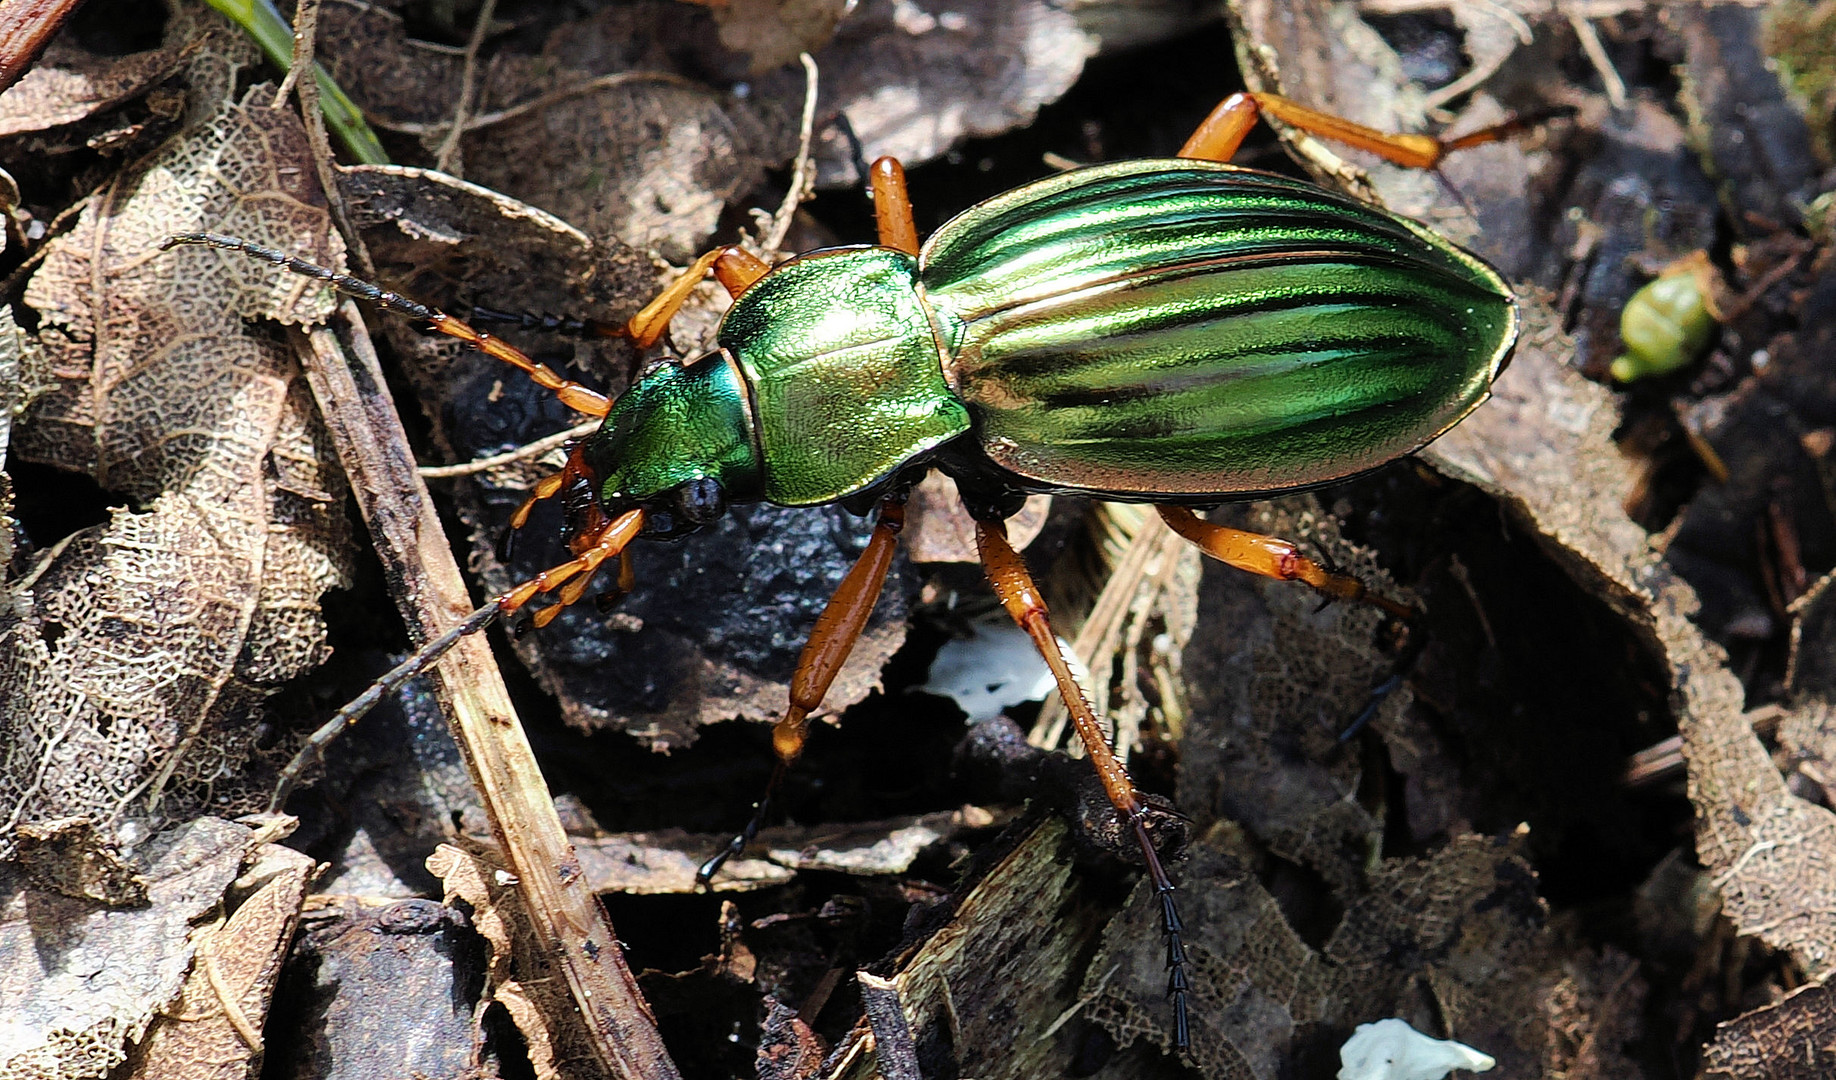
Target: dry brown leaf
665 860
22 380
1792 1040
914 82
377 988
213 1030
1456 942
134 669
82 980
70 856
1274 678
623 146
70 83
773 32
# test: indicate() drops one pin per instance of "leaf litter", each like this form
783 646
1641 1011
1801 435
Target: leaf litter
1316 884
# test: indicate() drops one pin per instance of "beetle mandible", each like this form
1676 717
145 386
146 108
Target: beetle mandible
1180 332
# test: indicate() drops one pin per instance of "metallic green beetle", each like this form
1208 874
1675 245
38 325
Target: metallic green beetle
1180 331
1145 331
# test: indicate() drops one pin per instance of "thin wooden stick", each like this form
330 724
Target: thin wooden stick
565 914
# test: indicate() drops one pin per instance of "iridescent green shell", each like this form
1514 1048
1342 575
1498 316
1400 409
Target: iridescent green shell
1183 328
847 384
1144 330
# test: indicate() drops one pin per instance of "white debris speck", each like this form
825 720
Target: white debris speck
913 19
995 668
1392 1050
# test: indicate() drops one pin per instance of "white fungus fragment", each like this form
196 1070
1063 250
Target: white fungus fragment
1392 1050
991 670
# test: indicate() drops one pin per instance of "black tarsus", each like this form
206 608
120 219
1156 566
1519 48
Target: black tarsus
704 874
1178 987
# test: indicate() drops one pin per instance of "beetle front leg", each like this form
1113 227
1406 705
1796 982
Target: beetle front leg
1218 138
837 629
734 267
1272 557
1014 585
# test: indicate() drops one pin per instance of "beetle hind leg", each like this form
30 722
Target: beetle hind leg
1272 557
1221 133
1014 585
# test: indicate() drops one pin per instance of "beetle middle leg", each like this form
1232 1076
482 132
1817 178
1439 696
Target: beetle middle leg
1221 133
837 629
892 206
1014 585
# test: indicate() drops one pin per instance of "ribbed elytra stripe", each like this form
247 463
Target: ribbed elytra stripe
1121 333
1057 235
1154 328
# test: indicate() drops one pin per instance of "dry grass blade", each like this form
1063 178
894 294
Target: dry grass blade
1145 555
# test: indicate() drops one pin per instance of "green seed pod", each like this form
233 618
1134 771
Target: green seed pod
1667 324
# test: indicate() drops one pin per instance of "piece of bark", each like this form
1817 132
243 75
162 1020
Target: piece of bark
214 1030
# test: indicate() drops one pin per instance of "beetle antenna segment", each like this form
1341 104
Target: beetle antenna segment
837 629
1272 557
1014 585
608 543
572 394
429 655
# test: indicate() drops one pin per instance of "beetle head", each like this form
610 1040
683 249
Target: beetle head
678 443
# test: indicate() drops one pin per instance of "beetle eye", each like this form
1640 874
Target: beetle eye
701 502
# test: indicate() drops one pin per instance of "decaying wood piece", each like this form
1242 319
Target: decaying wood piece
988 993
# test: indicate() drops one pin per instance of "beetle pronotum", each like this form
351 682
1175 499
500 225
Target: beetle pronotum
1182 332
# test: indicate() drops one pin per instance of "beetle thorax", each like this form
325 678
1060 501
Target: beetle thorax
845 372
